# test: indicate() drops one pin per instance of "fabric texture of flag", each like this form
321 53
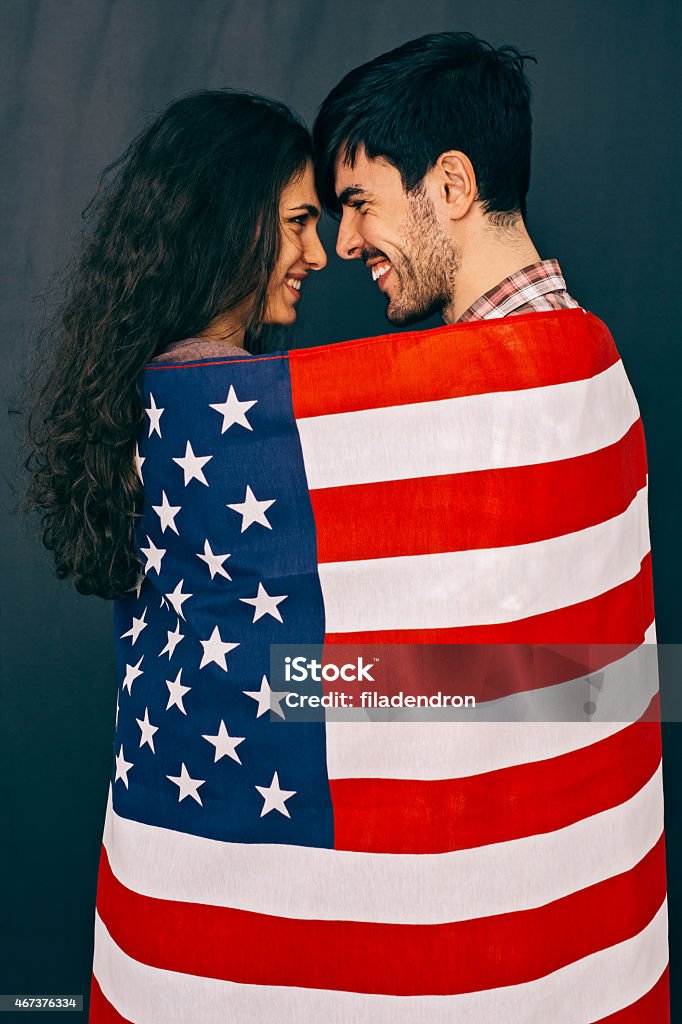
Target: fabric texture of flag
478 483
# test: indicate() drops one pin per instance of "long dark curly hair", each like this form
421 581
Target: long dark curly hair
184 227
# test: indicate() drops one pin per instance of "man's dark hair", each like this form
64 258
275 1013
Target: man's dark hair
447 90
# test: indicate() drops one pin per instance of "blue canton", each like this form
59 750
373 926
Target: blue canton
228 555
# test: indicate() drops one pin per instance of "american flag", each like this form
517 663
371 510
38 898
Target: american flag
479 483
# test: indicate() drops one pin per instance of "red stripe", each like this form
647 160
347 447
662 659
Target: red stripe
101 1010
652 1008
484 509
438 815
484 671
653 711
483 356
465 956
213 362
619 616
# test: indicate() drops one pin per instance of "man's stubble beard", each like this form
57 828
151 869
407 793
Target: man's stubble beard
428 266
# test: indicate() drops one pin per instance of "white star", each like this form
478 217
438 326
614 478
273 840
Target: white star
233 411
252 511
117 709
267 699
192 465
215 650
225 744
139 459
177 598
177 691
186 785
122 767
214 562
154 414
264 604
174 639
275 797
148 730
154 556
137 627
132 672
167 513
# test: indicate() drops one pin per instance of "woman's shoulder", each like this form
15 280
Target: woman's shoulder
189 349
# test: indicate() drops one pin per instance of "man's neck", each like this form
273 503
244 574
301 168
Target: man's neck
486 260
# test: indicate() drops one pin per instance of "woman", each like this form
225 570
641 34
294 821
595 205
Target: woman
206 233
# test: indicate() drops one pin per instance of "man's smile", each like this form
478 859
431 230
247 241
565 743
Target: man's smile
380 267
383 276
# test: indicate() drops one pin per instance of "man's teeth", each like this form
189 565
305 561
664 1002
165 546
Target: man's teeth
379 270
294 283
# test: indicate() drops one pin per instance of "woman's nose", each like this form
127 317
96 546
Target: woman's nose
315 256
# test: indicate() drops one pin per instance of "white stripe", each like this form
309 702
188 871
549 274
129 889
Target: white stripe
450 750
337 885
458 435
586 990
487 585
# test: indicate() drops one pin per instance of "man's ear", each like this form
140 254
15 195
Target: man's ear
452 184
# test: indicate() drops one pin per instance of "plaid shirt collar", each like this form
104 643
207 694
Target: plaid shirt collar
519 289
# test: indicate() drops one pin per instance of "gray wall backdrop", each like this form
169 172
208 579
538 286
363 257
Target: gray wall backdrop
78 79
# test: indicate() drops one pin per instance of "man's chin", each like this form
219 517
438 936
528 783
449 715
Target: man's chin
400 317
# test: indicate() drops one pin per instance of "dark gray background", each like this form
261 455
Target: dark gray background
78 79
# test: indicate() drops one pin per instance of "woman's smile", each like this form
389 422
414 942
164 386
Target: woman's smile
293 285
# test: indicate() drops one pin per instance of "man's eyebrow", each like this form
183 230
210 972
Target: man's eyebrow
348 193
309 207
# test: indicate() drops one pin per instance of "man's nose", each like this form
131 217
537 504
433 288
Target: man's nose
348 243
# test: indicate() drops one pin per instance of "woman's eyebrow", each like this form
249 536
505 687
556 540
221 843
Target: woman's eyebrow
310 207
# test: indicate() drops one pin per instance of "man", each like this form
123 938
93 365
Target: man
424 154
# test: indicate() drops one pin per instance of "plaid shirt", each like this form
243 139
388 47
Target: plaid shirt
540 286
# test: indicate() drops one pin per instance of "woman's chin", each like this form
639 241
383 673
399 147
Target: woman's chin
281 318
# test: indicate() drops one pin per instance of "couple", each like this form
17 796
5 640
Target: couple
423 154
483 483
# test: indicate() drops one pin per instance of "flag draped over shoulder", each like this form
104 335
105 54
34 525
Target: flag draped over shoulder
481 483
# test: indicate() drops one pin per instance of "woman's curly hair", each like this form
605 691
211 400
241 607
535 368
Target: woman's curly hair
186 228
